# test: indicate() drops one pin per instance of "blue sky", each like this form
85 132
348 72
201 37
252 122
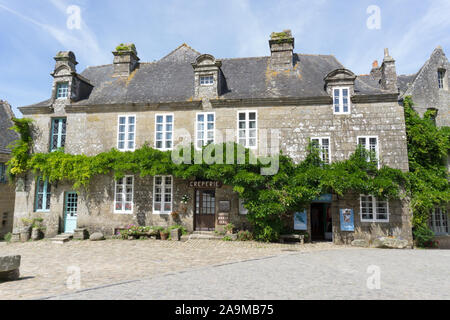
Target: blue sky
34 31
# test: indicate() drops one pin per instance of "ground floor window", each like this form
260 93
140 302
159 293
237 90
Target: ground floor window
162 194
43 195
439 221
123 199
3 173
373 209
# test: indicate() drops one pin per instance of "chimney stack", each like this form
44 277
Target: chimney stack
125 60
388 73
376 71
282 50
65 60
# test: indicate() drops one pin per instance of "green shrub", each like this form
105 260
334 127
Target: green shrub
424 237
244 235
227 238
8 237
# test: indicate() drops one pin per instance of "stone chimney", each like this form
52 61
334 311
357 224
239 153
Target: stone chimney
388 73
282 50
125 60
65 64
376 71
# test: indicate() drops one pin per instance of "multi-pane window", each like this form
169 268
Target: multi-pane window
3 177
205 129
439 221
58 138
341 100
126 133
43 195
242 209
123 199
62 90
374 210
206 80
162 194
323 144
371 145
164 132
441 77
247 129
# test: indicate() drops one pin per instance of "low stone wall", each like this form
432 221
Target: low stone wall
444 241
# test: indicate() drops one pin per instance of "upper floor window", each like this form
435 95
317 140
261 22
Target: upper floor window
126 133
58 136
373 209
441 79
371 145
164 132
3 177
205 129
439 221
62 90
123 199
323 144
162 194
242 209
206 80
247 129
341 100
43 195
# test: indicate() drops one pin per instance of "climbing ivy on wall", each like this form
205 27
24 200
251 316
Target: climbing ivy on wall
269 198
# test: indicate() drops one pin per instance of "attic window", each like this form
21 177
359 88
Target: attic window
341 100
62 90
441 77
206 80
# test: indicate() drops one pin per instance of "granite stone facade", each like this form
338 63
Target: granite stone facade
290 95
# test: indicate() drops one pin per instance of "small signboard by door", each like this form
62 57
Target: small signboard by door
70 212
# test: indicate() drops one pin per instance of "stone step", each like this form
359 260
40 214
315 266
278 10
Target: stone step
204 232
59 240
204 237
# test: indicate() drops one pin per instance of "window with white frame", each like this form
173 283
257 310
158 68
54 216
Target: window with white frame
341 100
247 129
164 131
441 77
205 129
242 209
123 198
3 176
43 195
162 194
323 144
62 90
126 133
439 221
370 143
206 80
373 209
58 134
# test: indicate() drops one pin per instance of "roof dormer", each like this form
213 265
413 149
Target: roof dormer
207 76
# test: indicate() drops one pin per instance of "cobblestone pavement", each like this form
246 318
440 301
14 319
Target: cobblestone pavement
333 274
46 267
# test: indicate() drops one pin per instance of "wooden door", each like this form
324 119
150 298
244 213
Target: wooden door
205 210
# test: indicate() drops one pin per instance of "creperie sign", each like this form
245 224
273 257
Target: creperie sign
205 184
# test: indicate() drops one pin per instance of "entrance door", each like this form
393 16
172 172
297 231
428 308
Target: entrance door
205 210
317 222
70 212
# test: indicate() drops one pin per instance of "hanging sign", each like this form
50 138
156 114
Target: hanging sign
347 220
205 184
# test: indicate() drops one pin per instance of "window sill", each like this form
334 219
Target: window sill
123 212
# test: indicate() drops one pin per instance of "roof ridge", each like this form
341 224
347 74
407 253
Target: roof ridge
184 44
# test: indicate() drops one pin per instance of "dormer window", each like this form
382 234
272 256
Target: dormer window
441 78
341 100
62 90
207 80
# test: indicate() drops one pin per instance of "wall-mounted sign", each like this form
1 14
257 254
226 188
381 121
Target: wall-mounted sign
205 184
324 198
224 206
222 218
300 221
347 220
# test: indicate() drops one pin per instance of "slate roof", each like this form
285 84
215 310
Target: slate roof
171 79
404 80
6 136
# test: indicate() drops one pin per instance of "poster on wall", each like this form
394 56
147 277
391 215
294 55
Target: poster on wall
347 220
300 222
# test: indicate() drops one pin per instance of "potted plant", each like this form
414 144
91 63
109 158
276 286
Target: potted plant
37 231
25 232
175 215
229 228
164 234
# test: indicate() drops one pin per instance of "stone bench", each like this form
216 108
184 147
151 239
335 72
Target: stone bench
9 268
292 238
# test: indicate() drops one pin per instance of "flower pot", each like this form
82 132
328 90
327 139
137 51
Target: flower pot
25 234
164 235
36 234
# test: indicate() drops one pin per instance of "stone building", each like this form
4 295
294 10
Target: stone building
7 193
288 97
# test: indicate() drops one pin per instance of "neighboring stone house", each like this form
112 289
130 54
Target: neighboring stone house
297 97
7 193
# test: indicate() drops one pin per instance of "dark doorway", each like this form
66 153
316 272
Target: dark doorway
205 210
321 222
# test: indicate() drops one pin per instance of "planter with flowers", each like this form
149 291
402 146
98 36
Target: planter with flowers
184 202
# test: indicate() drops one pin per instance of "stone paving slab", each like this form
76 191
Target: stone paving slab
331 274
46 267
